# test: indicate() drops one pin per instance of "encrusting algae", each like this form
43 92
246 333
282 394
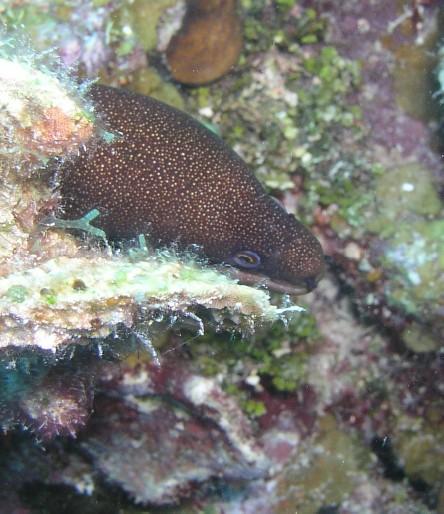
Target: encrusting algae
42 116
48 304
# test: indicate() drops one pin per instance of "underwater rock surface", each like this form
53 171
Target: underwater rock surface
162 447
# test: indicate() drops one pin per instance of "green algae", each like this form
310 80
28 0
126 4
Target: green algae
288 372
286 4
421 450
40 24
403 191
141 18
347 185
418 339
49 295
406 216
147 81
413 76
277 355
257 36
289 121
261 32
16 293
330 468
251 407
416 256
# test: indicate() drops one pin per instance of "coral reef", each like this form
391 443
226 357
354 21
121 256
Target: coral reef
172 430
387 220
39 119
44 116
335 410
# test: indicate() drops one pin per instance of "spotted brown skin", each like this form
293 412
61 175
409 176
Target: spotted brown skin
167 176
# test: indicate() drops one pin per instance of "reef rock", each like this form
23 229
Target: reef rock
159 449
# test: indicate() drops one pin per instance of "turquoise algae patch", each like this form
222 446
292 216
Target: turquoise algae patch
17 294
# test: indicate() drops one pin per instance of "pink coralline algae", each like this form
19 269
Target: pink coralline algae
171 431
61 405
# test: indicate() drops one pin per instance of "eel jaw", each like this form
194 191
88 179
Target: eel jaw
279 286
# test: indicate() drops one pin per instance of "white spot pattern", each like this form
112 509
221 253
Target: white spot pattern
169 177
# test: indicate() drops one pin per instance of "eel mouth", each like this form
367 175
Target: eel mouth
279 286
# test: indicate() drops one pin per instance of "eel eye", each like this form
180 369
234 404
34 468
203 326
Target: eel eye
246 259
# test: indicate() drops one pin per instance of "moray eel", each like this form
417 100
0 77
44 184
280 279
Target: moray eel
167 176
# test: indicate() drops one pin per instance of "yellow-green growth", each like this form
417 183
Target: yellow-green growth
50 304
